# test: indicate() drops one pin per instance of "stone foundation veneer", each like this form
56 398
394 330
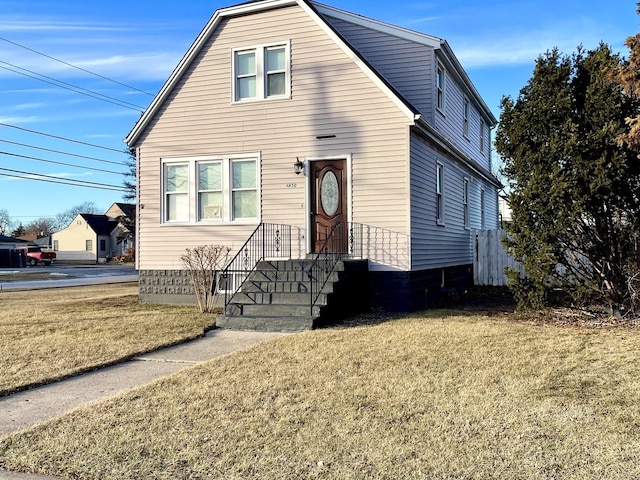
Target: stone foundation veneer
166 287
392 291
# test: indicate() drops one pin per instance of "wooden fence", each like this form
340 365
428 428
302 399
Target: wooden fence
491 259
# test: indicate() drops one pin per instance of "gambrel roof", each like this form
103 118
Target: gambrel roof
318 12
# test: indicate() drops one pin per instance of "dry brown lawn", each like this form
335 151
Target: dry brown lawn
429 397
53 333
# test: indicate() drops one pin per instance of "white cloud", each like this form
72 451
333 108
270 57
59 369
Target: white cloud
19 120
29 106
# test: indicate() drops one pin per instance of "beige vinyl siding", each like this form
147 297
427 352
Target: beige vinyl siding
406 65
72 242
436 246
450 121
330 95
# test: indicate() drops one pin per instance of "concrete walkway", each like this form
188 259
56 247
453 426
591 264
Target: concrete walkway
30 407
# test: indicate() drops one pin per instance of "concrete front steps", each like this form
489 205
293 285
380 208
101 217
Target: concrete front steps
276 297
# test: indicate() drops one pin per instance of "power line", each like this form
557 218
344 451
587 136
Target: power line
59 163
69 86
61 180
76 67
63 153
62 138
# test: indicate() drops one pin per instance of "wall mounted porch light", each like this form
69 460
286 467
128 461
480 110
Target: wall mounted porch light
298 167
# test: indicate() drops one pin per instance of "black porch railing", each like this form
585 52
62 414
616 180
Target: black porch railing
345 240
268 241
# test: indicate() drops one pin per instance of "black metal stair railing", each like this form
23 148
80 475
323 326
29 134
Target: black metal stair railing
268 241
344 240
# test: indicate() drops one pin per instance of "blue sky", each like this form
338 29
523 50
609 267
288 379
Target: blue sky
138 43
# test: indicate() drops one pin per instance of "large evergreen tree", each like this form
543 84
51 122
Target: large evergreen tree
628 76
574 188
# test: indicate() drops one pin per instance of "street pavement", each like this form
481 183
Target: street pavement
33 406
66 276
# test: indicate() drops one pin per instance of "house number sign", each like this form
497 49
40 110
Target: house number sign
292 185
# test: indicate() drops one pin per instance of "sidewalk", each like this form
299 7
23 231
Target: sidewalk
27 408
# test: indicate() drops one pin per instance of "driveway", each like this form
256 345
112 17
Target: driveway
32 278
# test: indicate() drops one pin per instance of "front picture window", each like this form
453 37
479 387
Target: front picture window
177 193
210 190
244 189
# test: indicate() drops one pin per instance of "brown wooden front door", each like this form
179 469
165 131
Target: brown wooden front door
328 205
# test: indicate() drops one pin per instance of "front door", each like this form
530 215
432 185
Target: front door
328 180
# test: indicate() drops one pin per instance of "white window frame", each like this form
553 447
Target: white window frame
166 194
465 202
483 133
194 191
440 192
261 73
441 87
466 108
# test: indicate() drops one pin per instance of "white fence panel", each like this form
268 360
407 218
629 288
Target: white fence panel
491 259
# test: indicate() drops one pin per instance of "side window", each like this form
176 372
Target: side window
88 245
465 202
103 245
482 136
440 194
465 117
482 209
440 87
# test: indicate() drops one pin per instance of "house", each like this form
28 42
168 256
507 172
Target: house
10 253
94 238
504 210
123 236
288 122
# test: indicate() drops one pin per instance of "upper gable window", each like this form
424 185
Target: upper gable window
440 87
261 72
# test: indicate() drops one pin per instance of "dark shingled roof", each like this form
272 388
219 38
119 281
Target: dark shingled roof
129 209
99 223
5 239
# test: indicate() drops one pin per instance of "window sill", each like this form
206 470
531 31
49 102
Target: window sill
212 223
259 100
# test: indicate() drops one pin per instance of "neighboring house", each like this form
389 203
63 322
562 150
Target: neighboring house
10 243
10 254
504 210
123 236
93 238
388 134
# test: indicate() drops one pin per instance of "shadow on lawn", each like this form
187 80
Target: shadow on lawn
490 301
